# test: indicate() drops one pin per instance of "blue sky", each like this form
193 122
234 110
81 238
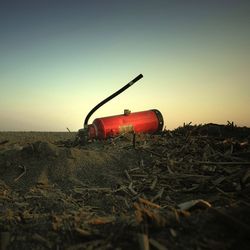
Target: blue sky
60 58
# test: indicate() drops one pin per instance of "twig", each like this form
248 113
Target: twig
97 189
122 188
142 163
223 162
169 169
180 176
128 176
119 136
149 203
134 135
229 157
130 187
143 241
22 174
140 175
82 232
158 196
38 237
156 244
126 203
152 152
223 192
154 183
133 169
169 187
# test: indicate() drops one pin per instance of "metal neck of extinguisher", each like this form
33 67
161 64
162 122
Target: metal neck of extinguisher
109 98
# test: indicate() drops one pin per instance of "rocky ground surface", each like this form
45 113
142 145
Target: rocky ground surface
183 189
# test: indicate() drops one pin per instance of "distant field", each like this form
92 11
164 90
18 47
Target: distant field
27 137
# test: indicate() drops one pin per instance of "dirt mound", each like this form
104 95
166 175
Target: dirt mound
45 163
182 189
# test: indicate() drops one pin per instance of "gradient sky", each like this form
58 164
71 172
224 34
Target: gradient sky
60 58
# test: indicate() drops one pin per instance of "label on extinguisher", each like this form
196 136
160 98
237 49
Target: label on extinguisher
126 128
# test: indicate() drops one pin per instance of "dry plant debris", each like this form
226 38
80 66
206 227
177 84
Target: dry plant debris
182 189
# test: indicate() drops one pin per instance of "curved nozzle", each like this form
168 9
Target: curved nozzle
109 98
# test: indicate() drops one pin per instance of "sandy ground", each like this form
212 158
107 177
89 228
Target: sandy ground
183 189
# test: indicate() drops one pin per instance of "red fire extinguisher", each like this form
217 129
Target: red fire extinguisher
149 121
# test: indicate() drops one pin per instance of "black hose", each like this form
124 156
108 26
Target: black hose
110 97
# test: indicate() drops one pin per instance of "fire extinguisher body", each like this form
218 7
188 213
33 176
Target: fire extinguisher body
150 121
